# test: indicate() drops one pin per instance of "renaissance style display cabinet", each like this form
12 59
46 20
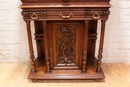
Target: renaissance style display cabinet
65 34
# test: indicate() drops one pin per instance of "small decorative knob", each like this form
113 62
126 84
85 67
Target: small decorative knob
44 13
106 12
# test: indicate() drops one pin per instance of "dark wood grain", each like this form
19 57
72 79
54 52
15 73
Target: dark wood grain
33 70
62 1
85 42
46 44
65 34
101 45
65 74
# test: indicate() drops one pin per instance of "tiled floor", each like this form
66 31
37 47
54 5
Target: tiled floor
15 74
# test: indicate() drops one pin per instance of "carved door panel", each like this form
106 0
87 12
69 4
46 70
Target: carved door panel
66 45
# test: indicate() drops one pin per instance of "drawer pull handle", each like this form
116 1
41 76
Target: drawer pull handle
96 16
34 16
65 17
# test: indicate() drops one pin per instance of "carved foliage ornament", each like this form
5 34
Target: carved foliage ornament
66 36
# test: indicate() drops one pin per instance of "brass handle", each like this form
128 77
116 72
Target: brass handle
65 17
34 16
96 16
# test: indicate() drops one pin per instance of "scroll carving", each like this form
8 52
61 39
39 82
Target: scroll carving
66 37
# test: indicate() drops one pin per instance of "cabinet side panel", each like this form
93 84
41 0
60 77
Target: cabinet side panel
39 39
92 41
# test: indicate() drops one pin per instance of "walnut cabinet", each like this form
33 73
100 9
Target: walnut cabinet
65 35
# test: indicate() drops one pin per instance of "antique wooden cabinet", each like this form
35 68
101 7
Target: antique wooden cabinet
65 34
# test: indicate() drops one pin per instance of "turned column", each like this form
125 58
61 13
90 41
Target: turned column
46 44
101 45
31 46
84 60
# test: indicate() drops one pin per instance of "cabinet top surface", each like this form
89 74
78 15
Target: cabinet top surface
50 5
59 1
64 3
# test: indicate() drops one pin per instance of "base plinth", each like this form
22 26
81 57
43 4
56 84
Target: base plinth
65 74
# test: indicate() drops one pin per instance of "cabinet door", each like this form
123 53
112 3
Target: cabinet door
66 45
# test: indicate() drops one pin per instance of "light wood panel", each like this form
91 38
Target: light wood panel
15 75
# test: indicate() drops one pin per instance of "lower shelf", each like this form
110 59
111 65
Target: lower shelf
41 73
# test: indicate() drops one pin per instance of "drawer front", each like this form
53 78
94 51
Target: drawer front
34 14
65 14
61 14
97 14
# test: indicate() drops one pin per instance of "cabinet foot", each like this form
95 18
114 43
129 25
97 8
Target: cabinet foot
34 80
98 80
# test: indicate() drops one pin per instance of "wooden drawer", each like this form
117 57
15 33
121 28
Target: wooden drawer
65 14
61 14
96 14
34 14
78 14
